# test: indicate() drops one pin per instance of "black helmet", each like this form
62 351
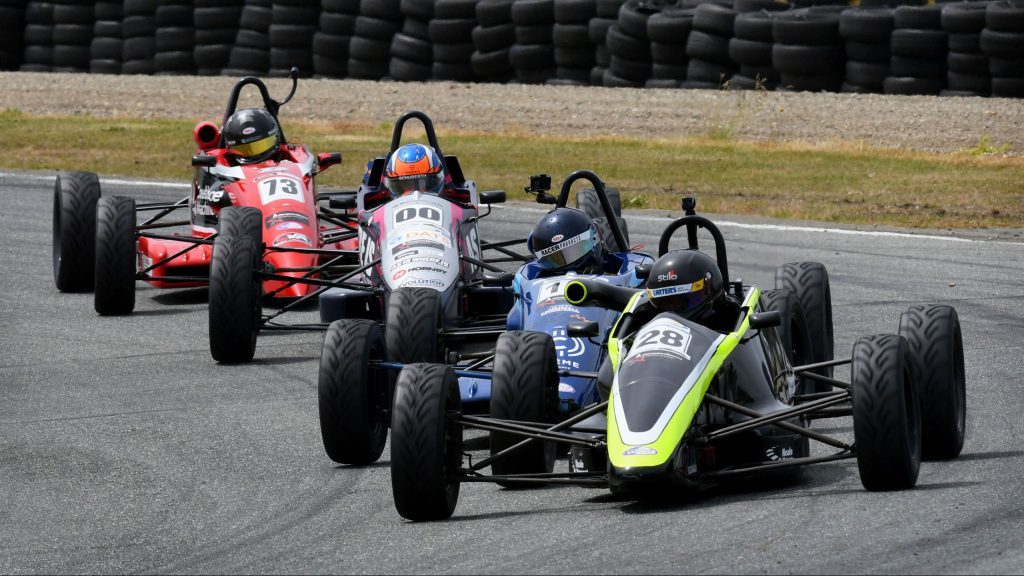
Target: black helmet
687 282
251 135
564 239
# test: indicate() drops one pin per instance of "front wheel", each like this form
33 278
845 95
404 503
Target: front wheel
234 308
352 393
809 282
937 349
115 256
75 195
413 325
426 450
793 332
524 387
886 414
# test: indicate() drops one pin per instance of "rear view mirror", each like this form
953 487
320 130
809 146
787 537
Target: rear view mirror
583 329
343 201
204 161
767 319
328 159
492 197
503 279
643 271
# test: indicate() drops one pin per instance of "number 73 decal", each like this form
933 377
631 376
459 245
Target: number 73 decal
280 188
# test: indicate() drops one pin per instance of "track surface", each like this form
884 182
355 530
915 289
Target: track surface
125 448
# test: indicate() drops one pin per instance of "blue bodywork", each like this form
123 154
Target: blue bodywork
541 307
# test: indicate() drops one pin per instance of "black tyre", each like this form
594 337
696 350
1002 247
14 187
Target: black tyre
524 387
412 325
793 332
75 195
604 230
115 256
425 450
886 413
809 282
937 351
235 288
354 397
588 201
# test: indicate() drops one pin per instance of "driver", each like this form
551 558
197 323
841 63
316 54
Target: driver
414 168
689 283
566 240
252 136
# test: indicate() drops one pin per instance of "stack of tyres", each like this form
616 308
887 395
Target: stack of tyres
708 47
669 31
38 37
107 46
369 52
73 21
533 54
216 24
493 38
330 43
138 31
451 32
751 48
808 51
1002 41
12 34
250 55
292 26
968 67
175 38
866 32
597 29
574 51
919 47
411 49
629 45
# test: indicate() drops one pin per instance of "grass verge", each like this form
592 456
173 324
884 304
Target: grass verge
835 182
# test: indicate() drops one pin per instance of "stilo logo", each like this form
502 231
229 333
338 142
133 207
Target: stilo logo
557 237
670 276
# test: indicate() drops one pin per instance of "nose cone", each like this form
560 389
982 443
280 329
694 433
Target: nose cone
289 264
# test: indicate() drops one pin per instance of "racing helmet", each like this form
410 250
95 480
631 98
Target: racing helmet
687 282
414 167
566 239
251 135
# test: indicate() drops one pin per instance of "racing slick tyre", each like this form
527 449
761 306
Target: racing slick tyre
234 308
412 325
524 387
809 282
588 201
353 395
937 351
115 256
426 450
75 195
604 230
793 332
242 221
886 412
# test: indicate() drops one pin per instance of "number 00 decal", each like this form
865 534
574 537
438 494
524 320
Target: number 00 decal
280 188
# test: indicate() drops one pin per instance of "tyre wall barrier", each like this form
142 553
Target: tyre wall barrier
963 48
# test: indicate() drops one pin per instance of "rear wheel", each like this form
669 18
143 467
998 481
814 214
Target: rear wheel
75 195
352 394
604 230
115 256
937 350
426 451
793 332
588 202
524 387
809 282
413 324
886 413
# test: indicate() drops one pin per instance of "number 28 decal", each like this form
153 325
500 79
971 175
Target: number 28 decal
281 188
663 334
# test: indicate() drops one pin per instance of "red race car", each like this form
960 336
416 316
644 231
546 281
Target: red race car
99 244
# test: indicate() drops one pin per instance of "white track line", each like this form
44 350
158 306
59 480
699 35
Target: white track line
722 223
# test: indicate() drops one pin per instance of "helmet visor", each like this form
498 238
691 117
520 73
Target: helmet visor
681 297
254 148
567 251
416 183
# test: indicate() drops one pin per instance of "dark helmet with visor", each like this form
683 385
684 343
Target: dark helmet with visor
687 282
251 135
566 239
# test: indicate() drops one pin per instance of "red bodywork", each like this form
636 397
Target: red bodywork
283 188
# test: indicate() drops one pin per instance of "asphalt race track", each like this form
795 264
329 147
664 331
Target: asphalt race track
125 448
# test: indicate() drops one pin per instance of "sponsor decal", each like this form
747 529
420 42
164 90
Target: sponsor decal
425 244
399 274
565 346
640 451
563 244
210 195
557 237
248 130
288 226
278 218
292 237
670 276
563 387
439 236
562 308
775 453
424 282
672 290
406 260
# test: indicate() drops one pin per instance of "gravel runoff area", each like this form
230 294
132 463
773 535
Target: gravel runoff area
926 123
